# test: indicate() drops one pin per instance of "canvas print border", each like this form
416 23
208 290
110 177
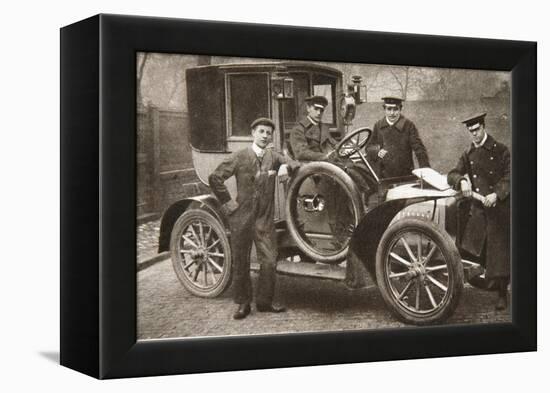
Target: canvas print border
101 288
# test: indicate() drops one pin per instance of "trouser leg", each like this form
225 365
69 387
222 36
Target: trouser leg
502 285
266 252
367 185
339 210
502 288
241 241
355 271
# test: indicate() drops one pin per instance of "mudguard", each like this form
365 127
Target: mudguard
372 226
206 202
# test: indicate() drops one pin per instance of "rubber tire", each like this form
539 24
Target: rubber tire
345 181
450 253
182 222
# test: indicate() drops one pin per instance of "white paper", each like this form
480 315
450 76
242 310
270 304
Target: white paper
432 177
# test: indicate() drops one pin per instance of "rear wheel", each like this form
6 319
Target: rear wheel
419 271
201 255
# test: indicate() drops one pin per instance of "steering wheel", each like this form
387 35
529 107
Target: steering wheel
353 142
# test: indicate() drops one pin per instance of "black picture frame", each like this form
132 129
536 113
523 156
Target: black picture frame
98 196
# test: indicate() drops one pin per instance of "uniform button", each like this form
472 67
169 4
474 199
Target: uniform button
477 189
492 158
471 163
490 172
474 176
490 187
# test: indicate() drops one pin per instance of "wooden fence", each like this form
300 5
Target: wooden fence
165 170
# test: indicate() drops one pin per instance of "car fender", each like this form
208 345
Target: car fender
372 226
205 202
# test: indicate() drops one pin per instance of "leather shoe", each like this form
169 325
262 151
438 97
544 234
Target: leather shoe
502 302
242 311
269 308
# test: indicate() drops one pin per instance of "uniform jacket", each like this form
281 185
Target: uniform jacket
310 142
488 168
400 140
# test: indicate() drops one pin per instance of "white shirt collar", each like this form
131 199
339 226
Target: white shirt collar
390 123
312 121
482 142
258 150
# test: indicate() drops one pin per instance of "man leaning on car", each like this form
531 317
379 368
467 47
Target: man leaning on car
251 216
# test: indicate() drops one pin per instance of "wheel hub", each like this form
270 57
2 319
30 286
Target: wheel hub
416 270
199 253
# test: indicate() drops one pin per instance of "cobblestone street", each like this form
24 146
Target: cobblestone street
147 239
167 310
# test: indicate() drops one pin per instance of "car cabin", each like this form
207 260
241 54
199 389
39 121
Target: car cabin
224 99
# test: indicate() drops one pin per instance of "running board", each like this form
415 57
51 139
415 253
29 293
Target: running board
306 269
338 272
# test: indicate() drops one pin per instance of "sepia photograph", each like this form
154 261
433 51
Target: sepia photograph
282 197
270 203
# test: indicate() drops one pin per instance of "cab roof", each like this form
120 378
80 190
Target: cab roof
271 66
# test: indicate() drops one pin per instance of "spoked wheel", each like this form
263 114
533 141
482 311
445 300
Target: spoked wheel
323 207
419 271
201 254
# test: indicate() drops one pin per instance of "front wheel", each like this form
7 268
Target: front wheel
201 255
419 271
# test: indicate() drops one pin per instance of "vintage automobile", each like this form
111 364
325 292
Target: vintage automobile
405 231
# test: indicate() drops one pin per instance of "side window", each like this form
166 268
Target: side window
247 99
326 86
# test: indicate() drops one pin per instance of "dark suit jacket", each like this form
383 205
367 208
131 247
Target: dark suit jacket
255 186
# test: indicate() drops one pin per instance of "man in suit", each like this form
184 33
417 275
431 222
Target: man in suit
394 140
487 232
251 215
311 141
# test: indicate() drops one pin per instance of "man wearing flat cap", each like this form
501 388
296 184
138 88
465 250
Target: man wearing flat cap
394 140
251 216
486 163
